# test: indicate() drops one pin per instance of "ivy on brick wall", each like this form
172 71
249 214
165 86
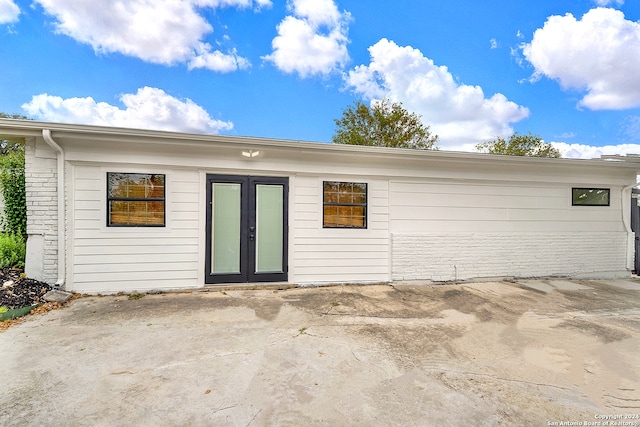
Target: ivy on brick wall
14 217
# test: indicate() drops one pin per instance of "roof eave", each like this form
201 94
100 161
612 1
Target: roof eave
26 128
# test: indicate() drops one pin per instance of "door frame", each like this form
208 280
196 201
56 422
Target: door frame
248 218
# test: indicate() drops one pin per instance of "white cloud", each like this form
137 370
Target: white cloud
149 108
162 32
233 3
493 44
460 114
582 151
608 2
9 12
218 61
599 54
629 131
568 135
311 41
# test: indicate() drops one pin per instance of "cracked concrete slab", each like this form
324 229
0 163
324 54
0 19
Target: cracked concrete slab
487 354
550 285
622 284
568 285
537 285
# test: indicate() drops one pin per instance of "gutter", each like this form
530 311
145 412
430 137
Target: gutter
46 135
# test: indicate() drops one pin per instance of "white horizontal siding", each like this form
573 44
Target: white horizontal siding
436 206
322 255
88 249
130 242
110 259
135 258
479 213
110 284
138 280
346 253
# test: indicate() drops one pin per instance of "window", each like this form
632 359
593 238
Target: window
590 196
135 200
344 205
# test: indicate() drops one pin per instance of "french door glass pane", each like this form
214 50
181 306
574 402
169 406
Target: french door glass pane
226 228
269 236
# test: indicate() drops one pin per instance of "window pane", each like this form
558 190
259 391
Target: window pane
330 192
269 233
136 213
359 216
137 187
137 190
330 216
155 213
360 188
118 213
344 205
156 183
590 196
344 211
132 185
357 222
345 196
332 187
226 228
117 183
331 197
360 198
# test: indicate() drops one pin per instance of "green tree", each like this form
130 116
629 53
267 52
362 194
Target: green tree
9 145
520 145
385 124
13 116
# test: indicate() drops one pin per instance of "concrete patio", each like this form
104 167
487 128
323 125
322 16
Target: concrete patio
499 353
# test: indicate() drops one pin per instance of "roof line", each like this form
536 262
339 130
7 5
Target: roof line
16 127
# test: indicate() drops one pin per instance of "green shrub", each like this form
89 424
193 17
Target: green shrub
12 185
12 250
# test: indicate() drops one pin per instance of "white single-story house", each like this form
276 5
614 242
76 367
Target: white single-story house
113 209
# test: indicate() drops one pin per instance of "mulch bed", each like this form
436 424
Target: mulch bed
18 291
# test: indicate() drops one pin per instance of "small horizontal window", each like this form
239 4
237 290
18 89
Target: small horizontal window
344 205
590 196
135 200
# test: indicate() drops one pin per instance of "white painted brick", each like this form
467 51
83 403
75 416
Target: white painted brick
42 203
459 256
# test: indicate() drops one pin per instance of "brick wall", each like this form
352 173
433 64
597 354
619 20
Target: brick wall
460 256
42 210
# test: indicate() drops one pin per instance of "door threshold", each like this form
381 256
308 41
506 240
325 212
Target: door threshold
275 286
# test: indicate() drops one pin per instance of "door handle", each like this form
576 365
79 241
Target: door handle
252 229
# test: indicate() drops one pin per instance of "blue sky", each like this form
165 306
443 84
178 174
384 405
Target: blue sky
567 70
